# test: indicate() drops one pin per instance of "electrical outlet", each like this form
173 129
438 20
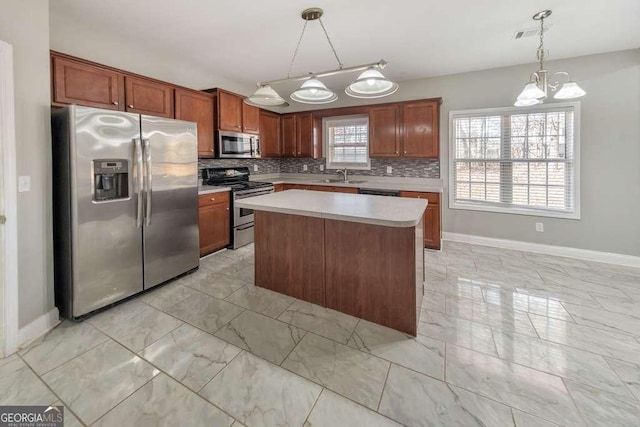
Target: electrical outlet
389 170
305 168
255 168
539 227
24 184
321 168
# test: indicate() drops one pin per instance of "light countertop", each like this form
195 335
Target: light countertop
377 210
426 185
209 189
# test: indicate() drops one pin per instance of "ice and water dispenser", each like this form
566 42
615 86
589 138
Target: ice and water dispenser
110 179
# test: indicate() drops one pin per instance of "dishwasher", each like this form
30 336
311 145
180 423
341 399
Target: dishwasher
374 192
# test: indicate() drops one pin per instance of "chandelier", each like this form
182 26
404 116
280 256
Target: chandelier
371 83
540 82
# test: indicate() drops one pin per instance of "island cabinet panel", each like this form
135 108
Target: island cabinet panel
420 124
270 134
384 132
358 283
289 255
84 84
148 97
214 220
229 111
194 106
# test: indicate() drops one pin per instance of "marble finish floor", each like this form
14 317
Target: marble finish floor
506 338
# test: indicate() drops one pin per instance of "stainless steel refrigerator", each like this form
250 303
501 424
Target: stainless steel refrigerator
125 192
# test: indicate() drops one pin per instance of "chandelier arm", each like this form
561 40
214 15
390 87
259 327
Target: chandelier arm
295 53
554 79
330 43
380 64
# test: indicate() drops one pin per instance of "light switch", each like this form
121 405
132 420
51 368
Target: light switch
389 170
321 168
539 227
255 168
305 168
24 183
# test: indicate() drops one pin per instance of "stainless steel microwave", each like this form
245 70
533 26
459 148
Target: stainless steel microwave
238 145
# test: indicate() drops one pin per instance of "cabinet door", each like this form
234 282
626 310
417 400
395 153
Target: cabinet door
420 129
250 118
229 112
304 130
325 188
350 190
289 136
215 227
83 84
384 132
148 97
197 107
269 134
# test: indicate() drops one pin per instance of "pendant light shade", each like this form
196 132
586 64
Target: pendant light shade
527 102
371 84
531 91
313 91
570 90
266 96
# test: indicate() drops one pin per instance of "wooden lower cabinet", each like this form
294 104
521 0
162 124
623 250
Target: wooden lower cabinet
327 188
320 188
278 187
432 228
214 221
349 190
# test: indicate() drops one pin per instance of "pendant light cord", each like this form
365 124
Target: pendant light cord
340 65
295 53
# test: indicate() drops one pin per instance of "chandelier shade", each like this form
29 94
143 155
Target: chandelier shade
570 90
531 91
313 91
266 96
371 84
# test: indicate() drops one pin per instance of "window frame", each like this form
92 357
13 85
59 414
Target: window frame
325 136
518 210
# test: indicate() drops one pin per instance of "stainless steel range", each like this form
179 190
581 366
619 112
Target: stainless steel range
242 221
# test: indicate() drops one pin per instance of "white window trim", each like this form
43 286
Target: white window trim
520 210
325 143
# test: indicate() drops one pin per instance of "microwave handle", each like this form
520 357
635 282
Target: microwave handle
255 146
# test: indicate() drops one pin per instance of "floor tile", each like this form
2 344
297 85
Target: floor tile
582 285
349 372
421 353
544 259
205 312
333 410
601 319
561 293
20 386
258 393
452 330
494 315
600 341
458 288
216 284
522 419
191 356
167 295
618 305
319 320
70 420
527 303
223 265
63 343
567 362
265 337
523 388
96 381
164 402
261 300
599 408
247 274
433 301
414 399
136 327
629 373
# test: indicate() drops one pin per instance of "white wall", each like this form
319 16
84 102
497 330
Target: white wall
610 145
25 25
76 37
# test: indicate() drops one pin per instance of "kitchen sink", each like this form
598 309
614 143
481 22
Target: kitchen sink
339 181
329 180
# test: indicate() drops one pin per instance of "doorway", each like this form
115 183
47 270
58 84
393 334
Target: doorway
8 208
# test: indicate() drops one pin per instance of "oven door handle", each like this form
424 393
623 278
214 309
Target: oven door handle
245 227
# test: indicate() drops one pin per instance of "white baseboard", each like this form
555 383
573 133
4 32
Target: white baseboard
37 328
584 254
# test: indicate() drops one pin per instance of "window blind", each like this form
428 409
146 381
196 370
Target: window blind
515 161
347 142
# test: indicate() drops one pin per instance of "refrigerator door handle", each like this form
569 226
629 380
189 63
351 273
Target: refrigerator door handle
139 184
147 181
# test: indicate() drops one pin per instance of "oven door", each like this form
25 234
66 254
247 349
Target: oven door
234 145
242 216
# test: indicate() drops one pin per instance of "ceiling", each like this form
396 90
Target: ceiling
252 40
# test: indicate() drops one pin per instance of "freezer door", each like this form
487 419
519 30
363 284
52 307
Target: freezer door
106 239
171 239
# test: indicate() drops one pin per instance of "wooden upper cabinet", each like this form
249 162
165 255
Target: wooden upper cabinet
148 97
420 129
304 135
270 134
78 83
250 118
289 136
384 132
194 106
229 112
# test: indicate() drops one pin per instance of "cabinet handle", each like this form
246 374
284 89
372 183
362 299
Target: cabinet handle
227 209
213 198
405 151
130 106
115 102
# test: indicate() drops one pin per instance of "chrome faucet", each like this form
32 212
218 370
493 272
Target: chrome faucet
344 174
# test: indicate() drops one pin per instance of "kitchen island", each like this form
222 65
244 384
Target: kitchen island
354 253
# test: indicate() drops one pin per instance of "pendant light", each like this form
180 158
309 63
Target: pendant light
540 82
370 84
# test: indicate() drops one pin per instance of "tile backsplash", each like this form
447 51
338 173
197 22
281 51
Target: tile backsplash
407 168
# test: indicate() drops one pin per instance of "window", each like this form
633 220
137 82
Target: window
514 160
346 142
